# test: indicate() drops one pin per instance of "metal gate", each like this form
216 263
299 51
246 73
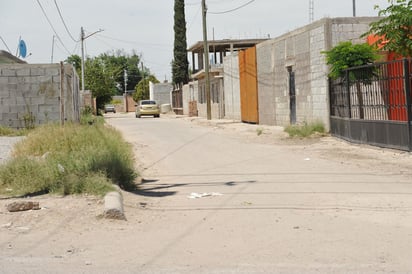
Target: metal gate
372 104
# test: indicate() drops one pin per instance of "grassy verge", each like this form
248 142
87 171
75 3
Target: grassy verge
305 130
70 159
6 131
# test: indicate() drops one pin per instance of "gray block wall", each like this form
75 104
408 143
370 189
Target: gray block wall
301 50
232 87
162 93
37 94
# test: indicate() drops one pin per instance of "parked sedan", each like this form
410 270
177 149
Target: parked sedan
109 108
148 108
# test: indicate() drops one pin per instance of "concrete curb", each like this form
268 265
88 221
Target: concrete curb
113 205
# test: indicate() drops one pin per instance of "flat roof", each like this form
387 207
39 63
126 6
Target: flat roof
226 44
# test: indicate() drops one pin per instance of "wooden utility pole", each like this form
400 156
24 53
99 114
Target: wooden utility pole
206 60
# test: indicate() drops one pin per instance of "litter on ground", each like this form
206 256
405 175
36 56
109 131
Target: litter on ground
195 195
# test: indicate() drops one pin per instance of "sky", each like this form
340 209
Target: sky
146 26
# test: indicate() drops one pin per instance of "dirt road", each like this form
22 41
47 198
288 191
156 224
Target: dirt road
220 197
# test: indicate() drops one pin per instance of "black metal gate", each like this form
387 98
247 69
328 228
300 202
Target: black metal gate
372 104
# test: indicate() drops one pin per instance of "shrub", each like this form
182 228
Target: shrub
305 130
6 131
69 159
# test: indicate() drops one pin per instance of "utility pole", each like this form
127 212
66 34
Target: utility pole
206 60
125 81
82 38
52 51
144 79
354 7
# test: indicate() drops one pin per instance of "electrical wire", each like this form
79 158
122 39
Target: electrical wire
194 18
51 25
64 23
232 10
4 42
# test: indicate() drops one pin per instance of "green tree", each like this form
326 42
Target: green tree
99 80
76 61
180 64
142 89
346 55
395 28
120 61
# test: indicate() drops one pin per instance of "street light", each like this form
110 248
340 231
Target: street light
82 38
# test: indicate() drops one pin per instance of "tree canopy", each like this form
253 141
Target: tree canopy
104 74
346 55
142 88
394 30
180 64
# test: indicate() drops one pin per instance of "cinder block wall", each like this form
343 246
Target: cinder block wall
232 87
35 94
301 50
162 93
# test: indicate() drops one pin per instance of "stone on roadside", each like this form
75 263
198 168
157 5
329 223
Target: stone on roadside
22 206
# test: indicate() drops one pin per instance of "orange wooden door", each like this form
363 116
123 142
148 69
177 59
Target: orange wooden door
248 86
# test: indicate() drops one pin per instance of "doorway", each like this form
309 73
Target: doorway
292 95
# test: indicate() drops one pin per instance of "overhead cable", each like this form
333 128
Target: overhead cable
51 25
232 10
64 23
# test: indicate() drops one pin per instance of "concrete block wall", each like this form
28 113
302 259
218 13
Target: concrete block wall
231 82
35 92
301 50
319 74
265 56
190 93
162 93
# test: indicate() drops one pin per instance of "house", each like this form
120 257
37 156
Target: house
291 74
194 94
8 58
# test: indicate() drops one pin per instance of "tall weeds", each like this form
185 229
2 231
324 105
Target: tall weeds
69 159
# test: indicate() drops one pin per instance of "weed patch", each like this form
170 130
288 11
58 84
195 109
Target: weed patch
305 130
69 159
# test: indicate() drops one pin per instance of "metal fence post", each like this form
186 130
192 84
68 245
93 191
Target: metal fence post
348 93
407 85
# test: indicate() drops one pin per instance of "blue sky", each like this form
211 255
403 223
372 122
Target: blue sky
147 26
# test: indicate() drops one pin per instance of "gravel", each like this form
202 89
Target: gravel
6 146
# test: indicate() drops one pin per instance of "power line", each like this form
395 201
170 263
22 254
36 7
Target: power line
51 25
5 44
64 23
194 18
235 9
134 42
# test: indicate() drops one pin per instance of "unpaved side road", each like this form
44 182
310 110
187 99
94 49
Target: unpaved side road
219 197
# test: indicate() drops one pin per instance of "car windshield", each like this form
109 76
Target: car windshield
148 102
